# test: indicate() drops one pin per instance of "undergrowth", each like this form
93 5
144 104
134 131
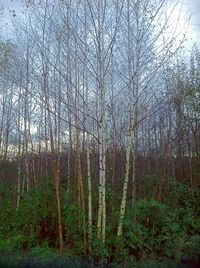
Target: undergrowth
152 230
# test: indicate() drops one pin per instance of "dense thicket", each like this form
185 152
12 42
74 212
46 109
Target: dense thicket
99 131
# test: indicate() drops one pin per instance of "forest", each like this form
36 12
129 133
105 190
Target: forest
99 136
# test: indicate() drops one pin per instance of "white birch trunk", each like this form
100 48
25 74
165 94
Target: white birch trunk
89 193
127 173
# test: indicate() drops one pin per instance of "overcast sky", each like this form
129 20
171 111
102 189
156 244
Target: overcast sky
194 7
190 6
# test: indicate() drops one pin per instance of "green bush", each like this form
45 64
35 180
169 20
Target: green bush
11 244
192 251
151 230
154 229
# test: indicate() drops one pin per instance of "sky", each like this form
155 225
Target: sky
194 7
189 7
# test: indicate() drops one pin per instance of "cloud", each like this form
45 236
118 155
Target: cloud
192 7
4 3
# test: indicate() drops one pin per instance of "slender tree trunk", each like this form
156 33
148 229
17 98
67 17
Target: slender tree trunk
127 174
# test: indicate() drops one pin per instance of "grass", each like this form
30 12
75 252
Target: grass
41 258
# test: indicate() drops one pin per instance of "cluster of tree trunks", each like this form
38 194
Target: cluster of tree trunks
91 96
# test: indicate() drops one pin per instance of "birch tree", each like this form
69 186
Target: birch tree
144 61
